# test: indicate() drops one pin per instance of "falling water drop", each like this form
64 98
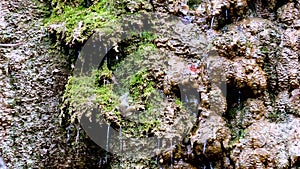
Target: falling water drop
68 136
186 99
158 147
281 36
77 135
171 142
212 22
189 150
210 165
100 163
239 99
121 145
107 143
117 57
226 14
204 147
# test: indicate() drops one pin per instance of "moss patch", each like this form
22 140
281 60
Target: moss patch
73 22
101 90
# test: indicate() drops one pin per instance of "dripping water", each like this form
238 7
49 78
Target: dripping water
281 36
171 142
237 19
186 99
239 100
158 147
226 14
204 147
212 22
189 150
77 135
107 143
210 165
121 145
100 163
67 137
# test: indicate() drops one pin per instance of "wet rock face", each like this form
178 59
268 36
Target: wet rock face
211 136
217 13
267 145
264 50
254 125
289 14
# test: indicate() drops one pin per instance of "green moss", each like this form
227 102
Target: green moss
232 112
83 93
76 22
99 90
178 103
193 4
264 50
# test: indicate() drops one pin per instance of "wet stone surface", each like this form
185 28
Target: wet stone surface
256 125
32 77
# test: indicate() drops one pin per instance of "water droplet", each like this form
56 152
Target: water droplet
204 147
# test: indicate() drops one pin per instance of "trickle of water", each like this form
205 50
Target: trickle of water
171 143
77 135
239 99
212 22
158 147
281 36
2 164
107 143
186 99
210 165
226 14
117 57
204 147
101 162
189 150
121 140
68 135
121 145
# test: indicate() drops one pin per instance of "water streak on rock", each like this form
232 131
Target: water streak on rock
107 143
204 146
212 22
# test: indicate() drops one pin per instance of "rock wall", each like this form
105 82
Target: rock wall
239 58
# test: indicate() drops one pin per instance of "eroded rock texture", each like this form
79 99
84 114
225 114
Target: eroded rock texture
235 63
260 61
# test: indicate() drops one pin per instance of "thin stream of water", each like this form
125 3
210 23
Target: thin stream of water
107 143
158 147
210 165
212 22
121 145
204 147
78 133
239 100
171 142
